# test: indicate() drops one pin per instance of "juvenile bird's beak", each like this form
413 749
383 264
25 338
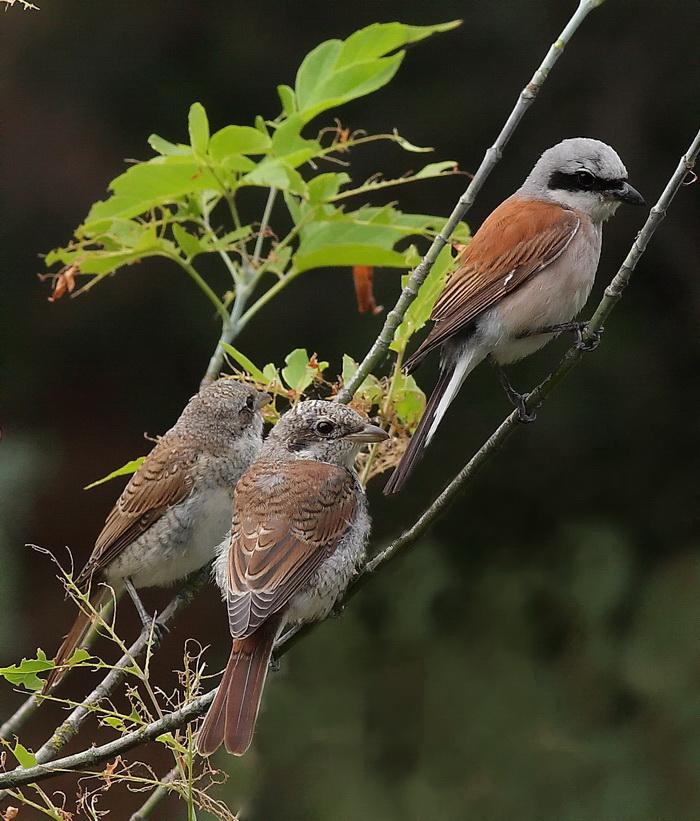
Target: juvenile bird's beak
369 433
629 195
263 399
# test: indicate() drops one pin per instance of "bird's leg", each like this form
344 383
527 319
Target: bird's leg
518 399
577 328
150 623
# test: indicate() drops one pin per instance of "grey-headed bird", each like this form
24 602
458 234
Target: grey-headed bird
524 276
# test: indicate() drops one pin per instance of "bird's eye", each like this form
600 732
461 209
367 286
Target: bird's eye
324 427
585 179
250 403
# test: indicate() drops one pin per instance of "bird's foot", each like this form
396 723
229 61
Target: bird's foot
584 339
517 399
155 631
523 416
274 664
336 611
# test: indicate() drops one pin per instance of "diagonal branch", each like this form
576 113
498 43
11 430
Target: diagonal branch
171 721
492 156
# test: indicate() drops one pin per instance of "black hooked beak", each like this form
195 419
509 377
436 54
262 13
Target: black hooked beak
629 195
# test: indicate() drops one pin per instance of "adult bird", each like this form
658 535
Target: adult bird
524 276
176 508
300 525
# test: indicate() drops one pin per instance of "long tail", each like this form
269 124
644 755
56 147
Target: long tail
231 717
75 637
454 371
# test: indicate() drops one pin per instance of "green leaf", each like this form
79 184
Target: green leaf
22 754
298 374
288 144
436 169
347 84
128 468
347 255
199 130
116 722
370 390
210 242
244 362
145 186
420 309
324 187
363 237
166 148
238 139
408 146
336 71
277 173
170 741
408 401
287 99
381 38
24 674
191 245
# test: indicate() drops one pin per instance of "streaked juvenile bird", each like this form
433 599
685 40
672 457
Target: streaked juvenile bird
177 507
300 525
524 276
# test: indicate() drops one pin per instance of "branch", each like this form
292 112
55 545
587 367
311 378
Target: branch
492 156
233 325
198 706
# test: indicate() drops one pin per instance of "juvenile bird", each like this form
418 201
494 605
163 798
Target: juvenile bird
177 507
300 525
524 276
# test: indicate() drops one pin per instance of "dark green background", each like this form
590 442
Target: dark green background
538 656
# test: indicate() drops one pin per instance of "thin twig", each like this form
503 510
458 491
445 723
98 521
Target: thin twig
158 794
70 727
233 324
492 156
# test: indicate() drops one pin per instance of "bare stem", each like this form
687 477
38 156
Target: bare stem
233 324
70 727
492 156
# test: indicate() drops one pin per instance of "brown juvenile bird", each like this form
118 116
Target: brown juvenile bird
176 508
524 276
300 525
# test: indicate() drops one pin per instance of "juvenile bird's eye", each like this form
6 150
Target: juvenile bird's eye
250 403
585 179
324 427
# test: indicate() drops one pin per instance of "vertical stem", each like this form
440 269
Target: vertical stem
232 325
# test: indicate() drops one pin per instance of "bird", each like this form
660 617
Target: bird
524 276
300 525
177 506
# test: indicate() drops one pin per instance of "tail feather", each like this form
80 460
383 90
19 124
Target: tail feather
454 371
75 637
231 717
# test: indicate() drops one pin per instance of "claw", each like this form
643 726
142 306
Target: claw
578 329
590 344
517 399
